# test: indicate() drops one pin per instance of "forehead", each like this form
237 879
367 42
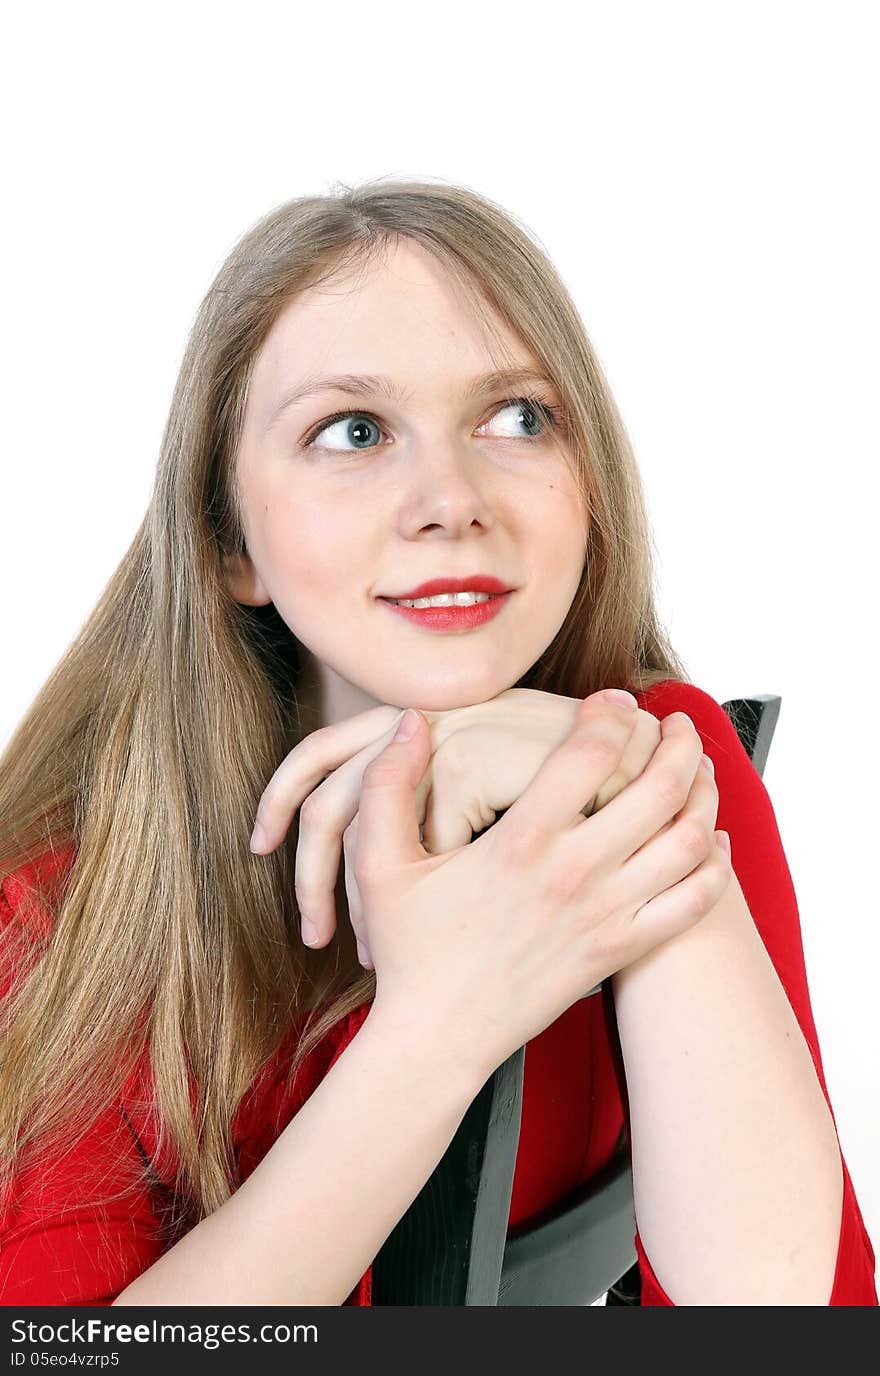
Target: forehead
403 316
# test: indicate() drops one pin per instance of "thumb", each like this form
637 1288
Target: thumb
388 821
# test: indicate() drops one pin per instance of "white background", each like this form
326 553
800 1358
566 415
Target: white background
704 178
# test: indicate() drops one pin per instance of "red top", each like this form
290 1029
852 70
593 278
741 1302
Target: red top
572 1112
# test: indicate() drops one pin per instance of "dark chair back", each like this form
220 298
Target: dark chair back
453 1245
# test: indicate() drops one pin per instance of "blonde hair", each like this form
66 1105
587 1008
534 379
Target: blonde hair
145 752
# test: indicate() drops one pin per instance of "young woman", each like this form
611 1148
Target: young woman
388 393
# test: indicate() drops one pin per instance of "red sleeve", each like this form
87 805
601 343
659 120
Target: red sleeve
55 1250
57 1247
746 813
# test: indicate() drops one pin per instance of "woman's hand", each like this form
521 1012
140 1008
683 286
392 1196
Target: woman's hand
481 949
483 757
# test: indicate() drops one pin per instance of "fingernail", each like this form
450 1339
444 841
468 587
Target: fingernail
309 931
259 839
723 840
621 697
364 955
707 764
407 726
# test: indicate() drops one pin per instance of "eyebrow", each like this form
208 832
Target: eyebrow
369 384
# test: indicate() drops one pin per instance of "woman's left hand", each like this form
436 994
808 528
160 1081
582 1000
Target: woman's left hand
483 758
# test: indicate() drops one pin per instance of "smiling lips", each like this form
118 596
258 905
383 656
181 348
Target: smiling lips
452 618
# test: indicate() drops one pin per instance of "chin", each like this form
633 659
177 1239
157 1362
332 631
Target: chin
448 699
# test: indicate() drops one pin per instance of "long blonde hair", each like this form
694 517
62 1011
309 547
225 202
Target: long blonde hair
140 761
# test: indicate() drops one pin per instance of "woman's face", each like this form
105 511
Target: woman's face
436 483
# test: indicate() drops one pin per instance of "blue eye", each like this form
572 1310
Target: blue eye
531 411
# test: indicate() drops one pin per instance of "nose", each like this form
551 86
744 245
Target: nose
447 489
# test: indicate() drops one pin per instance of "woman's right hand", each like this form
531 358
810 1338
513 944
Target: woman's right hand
481 948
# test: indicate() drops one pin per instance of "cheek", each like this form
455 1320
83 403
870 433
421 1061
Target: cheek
561 527
310 546
317 567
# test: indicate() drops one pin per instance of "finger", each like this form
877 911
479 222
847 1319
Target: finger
681 906
316 756
640 747
572 774
388 823
355 908
447 827
452 813
323 818
660 792
678 849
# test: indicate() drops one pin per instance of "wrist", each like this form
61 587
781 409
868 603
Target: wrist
422 1047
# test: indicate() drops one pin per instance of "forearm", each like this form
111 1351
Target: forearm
306 1224
737 1176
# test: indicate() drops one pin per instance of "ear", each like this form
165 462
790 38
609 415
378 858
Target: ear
243 581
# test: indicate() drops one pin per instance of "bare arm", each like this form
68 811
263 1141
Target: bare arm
310 1219
736 1165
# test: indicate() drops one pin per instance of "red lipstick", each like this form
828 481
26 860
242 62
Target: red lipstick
452 618
477 582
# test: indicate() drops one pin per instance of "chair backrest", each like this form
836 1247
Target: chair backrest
453 1245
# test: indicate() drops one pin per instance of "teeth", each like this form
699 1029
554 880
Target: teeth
445 599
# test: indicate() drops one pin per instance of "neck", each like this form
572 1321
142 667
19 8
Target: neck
325 697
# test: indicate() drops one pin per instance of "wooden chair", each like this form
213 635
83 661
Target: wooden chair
453 1245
